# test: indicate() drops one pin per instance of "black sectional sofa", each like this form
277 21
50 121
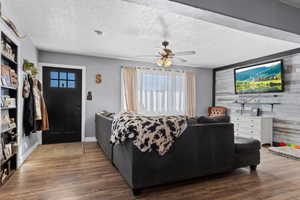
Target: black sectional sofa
203 149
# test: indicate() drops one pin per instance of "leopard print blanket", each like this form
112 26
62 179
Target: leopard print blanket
148 132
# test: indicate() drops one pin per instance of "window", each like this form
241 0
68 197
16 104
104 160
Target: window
161 92
157 91
62 80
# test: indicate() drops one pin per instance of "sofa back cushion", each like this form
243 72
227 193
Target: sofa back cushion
217 119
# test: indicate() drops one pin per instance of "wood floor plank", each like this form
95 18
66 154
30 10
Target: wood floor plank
53 173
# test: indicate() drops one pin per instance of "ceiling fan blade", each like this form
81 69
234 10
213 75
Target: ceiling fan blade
185 53
147 56
180 59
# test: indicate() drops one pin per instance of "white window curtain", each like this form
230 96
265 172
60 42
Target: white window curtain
129 89
191 94
161 92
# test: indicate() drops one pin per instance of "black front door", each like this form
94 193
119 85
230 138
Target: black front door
62 93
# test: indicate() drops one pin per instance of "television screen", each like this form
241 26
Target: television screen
260 78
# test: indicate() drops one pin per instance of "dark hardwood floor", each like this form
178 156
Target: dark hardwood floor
65 172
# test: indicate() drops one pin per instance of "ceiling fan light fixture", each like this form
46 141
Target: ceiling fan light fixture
164 62
159 62
168 62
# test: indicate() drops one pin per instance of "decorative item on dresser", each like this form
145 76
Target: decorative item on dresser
260 128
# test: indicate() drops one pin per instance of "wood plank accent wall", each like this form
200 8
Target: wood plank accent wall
286 124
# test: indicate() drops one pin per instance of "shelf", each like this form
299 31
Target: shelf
10 157
7 87
265 103
256 103
7 108
8 59
8 129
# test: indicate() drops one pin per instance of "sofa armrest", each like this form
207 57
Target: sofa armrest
103 133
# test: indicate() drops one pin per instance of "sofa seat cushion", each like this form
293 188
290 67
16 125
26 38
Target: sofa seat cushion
246 145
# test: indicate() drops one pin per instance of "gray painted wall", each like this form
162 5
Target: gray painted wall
286 123
27 51
107 95
270 13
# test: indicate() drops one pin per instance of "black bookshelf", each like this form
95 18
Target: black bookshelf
8 135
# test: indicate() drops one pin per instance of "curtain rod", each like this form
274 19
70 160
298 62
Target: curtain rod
159 69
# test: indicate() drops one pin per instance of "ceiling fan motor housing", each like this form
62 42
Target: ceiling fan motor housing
165 43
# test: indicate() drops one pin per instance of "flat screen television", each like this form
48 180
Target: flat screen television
261 78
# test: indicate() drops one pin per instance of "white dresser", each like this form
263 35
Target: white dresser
260 128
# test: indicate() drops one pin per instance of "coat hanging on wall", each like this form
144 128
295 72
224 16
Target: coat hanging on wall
35 111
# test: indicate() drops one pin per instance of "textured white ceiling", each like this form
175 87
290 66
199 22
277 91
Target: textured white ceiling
131 30
293 3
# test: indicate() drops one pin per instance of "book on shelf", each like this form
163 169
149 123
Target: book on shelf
7 50
6 122
13 78
7 150
7 102
1 150
4 119
5 76
9 77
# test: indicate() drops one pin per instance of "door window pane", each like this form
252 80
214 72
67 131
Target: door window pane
62 75
54 75
62 83
71 76
71 84
54 83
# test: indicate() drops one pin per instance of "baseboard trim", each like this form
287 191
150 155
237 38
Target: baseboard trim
90 139
24 156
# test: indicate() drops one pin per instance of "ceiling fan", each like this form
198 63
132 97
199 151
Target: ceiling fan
166 55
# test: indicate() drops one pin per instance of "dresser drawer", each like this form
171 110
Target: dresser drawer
255 122
251 132
251 121
248 128
248 134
